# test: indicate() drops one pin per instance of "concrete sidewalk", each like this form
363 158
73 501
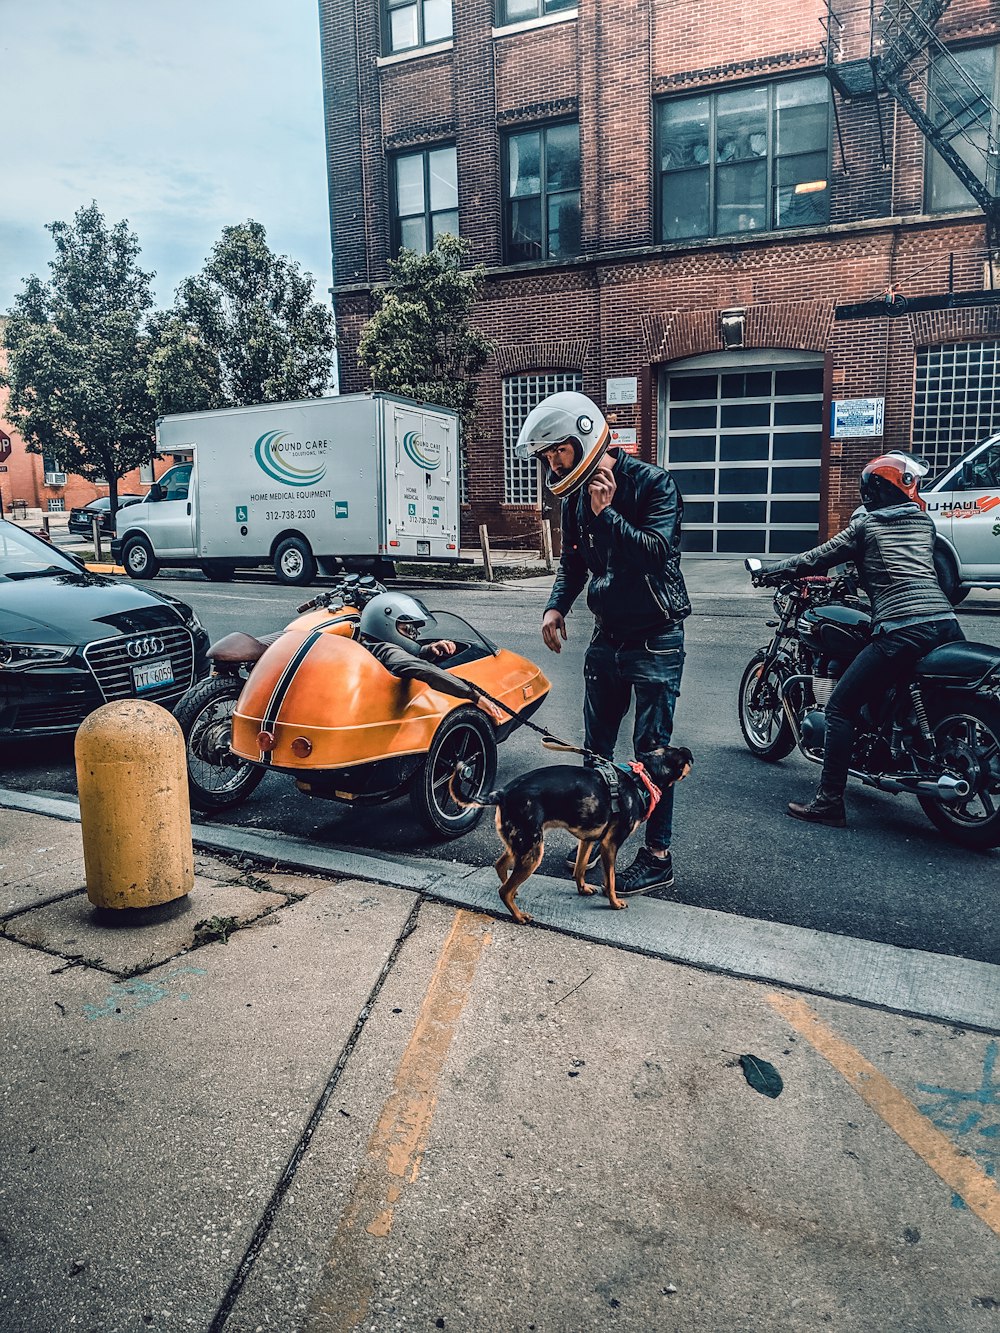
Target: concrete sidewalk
313 1101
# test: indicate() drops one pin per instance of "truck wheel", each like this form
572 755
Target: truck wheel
947 575
294 563
463 747
219 571
139 560
217 779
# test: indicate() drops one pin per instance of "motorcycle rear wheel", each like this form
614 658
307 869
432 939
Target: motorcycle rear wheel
967 731
765 727
217 779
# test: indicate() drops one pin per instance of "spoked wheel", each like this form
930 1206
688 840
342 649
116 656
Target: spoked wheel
967 732
762 718
464 747
217 779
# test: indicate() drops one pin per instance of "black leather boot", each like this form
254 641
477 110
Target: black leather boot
826 807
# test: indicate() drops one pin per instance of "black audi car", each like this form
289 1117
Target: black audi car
81 521
71 640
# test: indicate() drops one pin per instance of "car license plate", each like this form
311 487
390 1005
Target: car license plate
150 674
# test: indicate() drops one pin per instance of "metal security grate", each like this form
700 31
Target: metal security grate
112 665
956 403
520 394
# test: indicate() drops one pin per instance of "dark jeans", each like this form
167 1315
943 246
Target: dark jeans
651 667
887 660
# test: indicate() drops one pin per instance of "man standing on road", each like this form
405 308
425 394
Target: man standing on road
621 526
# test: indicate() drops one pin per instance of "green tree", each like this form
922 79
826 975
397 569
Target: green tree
245 330
78 353
420 342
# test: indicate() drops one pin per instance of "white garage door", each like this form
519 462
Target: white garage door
743 444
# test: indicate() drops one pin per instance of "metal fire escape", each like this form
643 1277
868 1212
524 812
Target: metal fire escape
907 60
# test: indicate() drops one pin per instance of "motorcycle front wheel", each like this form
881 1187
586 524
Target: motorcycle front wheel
763 722
217 779
967 733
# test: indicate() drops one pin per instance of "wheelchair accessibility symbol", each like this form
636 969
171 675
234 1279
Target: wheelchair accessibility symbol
241 513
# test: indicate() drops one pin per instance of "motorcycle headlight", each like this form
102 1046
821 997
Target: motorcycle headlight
24 656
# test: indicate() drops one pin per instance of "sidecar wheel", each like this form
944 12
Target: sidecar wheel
217 779
967 732
764 724
464 742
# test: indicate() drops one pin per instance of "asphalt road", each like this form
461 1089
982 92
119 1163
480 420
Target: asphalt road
889 877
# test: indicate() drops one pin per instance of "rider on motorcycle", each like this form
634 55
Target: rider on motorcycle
390 629
892 545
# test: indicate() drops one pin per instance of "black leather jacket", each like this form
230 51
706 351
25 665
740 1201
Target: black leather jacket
893 549
631 552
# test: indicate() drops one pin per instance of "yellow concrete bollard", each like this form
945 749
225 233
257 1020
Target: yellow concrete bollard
131 772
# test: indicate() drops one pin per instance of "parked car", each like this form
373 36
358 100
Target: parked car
71 640
81 520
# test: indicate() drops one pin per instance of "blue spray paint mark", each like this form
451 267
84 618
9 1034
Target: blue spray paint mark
129 997
977 1112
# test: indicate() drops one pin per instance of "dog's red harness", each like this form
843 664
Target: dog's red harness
651 787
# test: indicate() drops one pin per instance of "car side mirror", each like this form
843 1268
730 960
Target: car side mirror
752 565
155 492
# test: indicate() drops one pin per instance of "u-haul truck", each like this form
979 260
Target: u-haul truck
343 482
965 505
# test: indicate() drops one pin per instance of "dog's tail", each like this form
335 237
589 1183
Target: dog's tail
487 798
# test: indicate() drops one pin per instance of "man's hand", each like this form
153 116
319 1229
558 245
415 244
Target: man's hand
440 648
553 631
602 488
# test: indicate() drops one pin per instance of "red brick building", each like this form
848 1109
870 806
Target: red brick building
719 221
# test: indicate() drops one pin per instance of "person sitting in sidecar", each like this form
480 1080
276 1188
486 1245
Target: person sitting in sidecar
390 628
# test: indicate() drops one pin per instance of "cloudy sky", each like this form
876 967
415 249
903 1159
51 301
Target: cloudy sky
182 118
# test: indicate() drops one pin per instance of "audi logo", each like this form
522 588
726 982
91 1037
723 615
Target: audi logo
150 646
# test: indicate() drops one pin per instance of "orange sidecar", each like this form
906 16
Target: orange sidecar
318 706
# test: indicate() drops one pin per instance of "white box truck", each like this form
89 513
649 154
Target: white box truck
344 482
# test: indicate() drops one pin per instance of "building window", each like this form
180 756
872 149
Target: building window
542 193
520 394
517 11
410 23
956 404
424 199
753 159
56 506
963 101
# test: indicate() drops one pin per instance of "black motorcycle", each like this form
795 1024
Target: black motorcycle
937 737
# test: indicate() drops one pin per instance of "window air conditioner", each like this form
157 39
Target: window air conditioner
55 478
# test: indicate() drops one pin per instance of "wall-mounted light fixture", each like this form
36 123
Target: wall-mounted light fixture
732 324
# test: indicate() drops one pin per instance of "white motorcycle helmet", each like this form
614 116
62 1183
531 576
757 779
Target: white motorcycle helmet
566 418
395 617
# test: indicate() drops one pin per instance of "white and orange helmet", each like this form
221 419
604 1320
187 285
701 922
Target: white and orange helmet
566 418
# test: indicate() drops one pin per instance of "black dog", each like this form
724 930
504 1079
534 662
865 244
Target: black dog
581 800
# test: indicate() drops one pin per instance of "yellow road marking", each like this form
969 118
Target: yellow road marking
398 1142
959 1171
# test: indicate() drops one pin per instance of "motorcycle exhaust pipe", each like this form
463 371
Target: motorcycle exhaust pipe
944 788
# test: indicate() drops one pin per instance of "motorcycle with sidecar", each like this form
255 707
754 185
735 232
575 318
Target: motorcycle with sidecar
312 702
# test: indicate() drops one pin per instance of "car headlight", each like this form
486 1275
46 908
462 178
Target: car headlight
191 621
24 656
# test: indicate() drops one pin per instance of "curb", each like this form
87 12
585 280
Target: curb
936 987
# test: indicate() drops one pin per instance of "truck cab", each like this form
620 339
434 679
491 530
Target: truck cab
964 503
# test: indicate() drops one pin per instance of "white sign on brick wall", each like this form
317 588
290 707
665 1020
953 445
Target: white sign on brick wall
856 417
623 390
